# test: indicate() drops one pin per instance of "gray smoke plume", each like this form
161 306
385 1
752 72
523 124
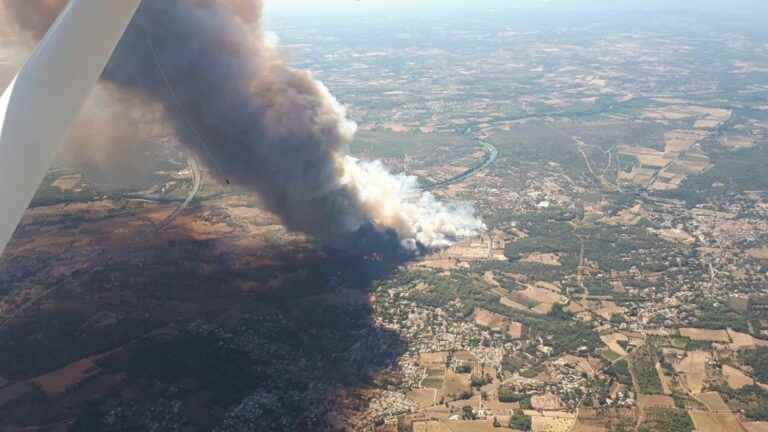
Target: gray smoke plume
260 124
113 141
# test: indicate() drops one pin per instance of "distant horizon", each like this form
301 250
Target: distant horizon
738 16
367 6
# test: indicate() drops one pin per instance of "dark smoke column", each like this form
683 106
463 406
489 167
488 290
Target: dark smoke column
234 101
263 126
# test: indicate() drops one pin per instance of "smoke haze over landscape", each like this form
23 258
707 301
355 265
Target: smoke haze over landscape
253 120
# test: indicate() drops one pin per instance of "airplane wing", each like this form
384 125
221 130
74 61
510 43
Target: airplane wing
39 107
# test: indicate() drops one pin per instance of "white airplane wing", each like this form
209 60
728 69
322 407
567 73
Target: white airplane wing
39 107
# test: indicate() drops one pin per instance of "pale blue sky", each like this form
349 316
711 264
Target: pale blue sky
366 6
362 5
313 4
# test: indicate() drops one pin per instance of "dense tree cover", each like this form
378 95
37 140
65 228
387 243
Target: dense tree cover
464 395
512 363
55 332
383 145
537 271
538 153
534 370
520 421
479 381
667 420
737 171
620 372
628 162
598 286
562 335
609 246
757 359
227 374
752 400
618 319
460 284
463 369
644 366
34 406
467 413
560 312
509 395
719 317
89 419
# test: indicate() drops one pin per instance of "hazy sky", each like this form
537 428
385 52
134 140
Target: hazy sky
368 6
313 4
361 5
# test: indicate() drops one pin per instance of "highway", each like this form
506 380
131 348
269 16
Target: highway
197 181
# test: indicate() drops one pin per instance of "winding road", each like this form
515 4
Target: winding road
491 154
197 180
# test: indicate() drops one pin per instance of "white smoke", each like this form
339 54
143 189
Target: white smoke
227 93
396 202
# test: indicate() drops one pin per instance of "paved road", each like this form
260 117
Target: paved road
491 154
197 180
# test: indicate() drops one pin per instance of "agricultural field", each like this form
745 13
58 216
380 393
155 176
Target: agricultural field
617 282
667 419
693 370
